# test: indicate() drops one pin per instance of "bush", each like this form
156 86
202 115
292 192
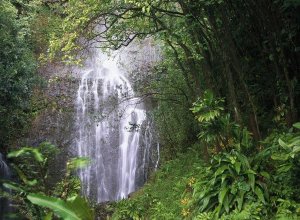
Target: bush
229 184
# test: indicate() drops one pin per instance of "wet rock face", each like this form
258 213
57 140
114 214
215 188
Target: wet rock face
54 122
148 152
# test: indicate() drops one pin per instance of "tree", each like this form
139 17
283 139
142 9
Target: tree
209 45
17 73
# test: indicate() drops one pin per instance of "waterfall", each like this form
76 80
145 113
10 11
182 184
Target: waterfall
108 120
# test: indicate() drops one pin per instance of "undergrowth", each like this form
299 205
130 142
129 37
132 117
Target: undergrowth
232 185
161 197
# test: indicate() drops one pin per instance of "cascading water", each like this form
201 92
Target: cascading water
109 118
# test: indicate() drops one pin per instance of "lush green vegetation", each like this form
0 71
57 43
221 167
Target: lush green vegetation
240 181
17 73
226 102
163 196
26 27
32 165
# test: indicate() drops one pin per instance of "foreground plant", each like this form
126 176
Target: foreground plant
32 194
75 208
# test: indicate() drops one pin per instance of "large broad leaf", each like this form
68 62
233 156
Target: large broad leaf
69 210
283 144
297 125
59 206
82 208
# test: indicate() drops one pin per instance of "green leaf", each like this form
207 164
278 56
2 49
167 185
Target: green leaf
205 203
77 163
59 206
282 144
251 178
260 194
82 208
243 160
222 194
206 200
280 156
221 169
284 168
265 174
237 166
295 141
296 149
223 178
14 187
297 125
36 153
17 153
23 177
240 200
226 204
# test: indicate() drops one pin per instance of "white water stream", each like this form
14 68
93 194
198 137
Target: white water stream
109 118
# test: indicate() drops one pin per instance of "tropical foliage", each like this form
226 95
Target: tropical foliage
17 73
225 100
32 165
236 183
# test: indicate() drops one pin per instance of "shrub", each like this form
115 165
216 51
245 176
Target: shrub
229 184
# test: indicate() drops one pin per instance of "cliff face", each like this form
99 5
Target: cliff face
54 121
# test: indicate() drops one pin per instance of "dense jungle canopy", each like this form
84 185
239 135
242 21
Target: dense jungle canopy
225 97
